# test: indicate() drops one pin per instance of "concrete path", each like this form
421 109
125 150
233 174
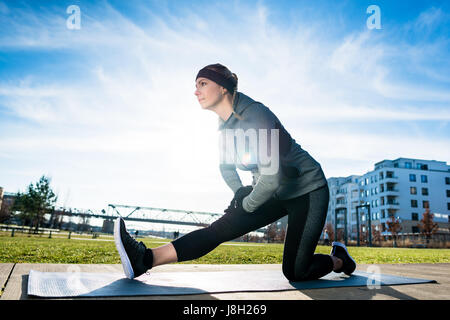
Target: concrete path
14 280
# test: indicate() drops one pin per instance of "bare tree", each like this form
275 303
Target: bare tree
394 227
281 234
340 235
5 211
362 235
376 234
427 226
271 232
329 230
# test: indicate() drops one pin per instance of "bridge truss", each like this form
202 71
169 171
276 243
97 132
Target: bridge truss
163 216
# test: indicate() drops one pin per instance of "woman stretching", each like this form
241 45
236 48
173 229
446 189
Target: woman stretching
288 182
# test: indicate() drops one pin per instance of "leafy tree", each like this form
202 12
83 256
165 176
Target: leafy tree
427 226
37 201
22 205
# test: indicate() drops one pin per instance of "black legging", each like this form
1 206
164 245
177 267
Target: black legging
306 219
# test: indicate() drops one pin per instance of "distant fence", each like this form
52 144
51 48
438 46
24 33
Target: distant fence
6 227
13 229
419 240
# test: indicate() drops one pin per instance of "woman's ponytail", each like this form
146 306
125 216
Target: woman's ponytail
234 96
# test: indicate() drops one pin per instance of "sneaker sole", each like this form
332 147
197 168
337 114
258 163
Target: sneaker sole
345 248
126 264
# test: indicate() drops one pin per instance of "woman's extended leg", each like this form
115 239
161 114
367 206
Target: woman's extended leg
137 258
164 254
230 226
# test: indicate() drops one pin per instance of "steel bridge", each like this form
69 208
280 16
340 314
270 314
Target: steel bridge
148 214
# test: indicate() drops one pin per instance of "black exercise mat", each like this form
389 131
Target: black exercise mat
84 284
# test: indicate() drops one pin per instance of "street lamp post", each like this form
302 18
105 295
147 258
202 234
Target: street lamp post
345 225
357 223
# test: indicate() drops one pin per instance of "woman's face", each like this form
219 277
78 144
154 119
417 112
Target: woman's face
208 93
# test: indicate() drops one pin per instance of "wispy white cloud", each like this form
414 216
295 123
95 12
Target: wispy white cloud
133 120
430 18
4 8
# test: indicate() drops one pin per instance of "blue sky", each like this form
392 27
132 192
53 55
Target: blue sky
108 111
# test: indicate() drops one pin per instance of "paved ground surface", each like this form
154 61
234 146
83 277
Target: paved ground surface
14 280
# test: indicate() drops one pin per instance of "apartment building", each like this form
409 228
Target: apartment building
403 188
1 196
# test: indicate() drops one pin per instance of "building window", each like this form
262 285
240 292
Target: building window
412 177
447 180
383 214
413 203
448 193
425 204
424 191
413 190
415 216
415 229
408 165
423 178
448 208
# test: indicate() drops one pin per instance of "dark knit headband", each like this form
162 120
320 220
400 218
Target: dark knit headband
217 78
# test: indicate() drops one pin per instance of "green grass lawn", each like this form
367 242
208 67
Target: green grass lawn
34 249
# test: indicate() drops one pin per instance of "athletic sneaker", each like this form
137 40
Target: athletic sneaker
131 252
339 250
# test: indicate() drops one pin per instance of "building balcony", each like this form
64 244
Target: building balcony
393 204
391 186
392 212
392 179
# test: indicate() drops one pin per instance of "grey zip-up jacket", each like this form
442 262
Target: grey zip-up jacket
293 174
